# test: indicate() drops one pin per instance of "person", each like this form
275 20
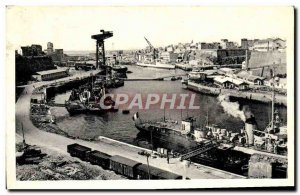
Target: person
168 159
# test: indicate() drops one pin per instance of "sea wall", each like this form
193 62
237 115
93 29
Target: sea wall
258 59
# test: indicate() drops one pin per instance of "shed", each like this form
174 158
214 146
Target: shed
224 82
51 74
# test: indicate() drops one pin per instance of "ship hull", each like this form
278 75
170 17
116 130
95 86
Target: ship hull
161 66
120 69
171 140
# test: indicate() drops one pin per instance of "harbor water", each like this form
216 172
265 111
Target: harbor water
119 126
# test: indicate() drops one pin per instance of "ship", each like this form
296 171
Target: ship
168 130
88 101
156 65
119 69
248 140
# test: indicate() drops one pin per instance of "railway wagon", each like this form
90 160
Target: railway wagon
98 158
78 150
155 173
124 166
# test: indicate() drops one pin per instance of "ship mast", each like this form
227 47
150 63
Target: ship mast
273 99
207 116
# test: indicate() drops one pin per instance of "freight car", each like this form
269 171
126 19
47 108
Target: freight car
124 166
78 150
98 158
142 172
121 165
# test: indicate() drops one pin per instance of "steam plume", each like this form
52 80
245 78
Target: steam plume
232 108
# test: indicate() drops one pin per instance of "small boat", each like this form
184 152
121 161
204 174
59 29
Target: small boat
125 111
128 71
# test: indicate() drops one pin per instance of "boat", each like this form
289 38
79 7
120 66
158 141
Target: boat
87 101
173 78
119 68
168 130
156 65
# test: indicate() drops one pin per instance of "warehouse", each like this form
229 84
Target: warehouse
51 74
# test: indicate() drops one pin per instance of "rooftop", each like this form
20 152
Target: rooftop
228 79
52 71
100 154
124 160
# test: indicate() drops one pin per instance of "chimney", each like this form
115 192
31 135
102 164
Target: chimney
250 125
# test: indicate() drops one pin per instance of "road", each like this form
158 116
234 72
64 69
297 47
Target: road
58 143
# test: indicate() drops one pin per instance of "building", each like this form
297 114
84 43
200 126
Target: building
224 82
270 44
33 50
204 45
231 56
167 57
279 83
266 166
39 97
51 74
225 44
231 83
251 79
49 48
58 56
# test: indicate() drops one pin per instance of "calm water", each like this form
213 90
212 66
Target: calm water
121 126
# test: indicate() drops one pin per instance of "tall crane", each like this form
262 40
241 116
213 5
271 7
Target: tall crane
154 51
100 51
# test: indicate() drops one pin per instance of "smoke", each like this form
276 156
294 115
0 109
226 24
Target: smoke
233 108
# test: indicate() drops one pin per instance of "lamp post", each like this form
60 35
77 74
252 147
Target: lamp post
147 155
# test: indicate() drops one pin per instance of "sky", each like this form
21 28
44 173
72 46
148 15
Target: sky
71 28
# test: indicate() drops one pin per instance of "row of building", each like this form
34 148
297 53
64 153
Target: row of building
270 44
35 63
223 52
57 55
236 79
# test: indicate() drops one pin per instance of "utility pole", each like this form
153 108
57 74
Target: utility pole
24 142
273 99
151 141
147 155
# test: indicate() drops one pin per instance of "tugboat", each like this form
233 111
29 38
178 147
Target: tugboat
88 102
119 68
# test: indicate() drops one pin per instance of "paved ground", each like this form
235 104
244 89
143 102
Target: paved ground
59 143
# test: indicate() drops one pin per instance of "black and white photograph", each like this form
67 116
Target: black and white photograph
149 97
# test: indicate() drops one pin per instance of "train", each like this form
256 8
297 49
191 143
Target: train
119 164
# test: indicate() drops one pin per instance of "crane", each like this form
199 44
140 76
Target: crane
100 51
152 49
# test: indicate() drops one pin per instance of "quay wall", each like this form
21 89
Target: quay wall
203 89
258 59
263 97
